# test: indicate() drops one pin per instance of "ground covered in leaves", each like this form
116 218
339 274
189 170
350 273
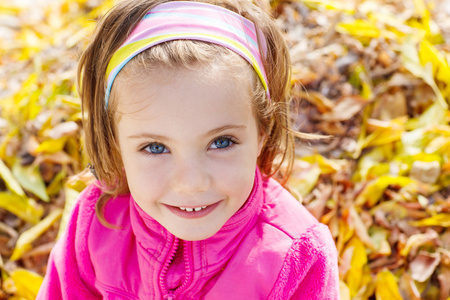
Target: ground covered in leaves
373 75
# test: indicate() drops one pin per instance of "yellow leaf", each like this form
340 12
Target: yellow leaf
9 8
327 166
359 28
6 140
27 283
27 237
442 220
345 233
379 237
439 146
52 146
433 116
31 179
25 208
304 179
344 291
373 191
371 163
429 54
322 103
421 9
361 80
9 179
346 7
386 287
385 133
55 186
354 276
411 62
71 196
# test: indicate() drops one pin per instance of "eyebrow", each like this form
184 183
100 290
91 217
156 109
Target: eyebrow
209 133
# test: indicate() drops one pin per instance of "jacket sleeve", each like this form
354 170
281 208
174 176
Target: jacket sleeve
69 272
310 270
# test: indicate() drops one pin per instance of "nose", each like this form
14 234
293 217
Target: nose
191 176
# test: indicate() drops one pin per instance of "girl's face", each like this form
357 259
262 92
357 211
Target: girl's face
189 143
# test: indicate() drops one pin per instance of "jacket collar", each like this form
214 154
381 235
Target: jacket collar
213 251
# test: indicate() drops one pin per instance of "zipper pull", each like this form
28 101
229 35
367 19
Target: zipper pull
170 296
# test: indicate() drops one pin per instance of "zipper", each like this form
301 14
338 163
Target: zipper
172 295
188 269
162 279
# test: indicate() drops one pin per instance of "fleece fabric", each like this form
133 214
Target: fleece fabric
272 248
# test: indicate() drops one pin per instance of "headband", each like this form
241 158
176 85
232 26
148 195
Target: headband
178 20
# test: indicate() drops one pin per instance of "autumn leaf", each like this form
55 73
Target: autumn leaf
386 286
27 237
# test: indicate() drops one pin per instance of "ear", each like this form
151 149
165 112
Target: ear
262 137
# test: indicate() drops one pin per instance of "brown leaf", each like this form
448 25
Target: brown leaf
322 195
423 266
408 288
444 283
63 129
360 228
345 109
427 172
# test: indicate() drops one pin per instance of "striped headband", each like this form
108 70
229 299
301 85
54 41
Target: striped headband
178 20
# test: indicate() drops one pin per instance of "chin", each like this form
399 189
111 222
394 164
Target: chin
192 237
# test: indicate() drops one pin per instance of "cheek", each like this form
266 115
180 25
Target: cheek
145 176
236 177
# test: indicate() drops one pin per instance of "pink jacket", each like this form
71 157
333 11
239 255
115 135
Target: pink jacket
272 248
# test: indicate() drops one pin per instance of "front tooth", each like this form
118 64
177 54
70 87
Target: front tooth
189 209
198 208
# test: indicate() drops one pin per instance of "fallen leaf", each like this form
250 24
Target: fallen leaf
426 172
345 109
411 61
384 133
423 266
25 208
360 228
26 238
344 291
27 283
408 287
71 196
444 282
353 278
373 191
442 219
304 179
62 130
9 179
386 286
30 178
326 165
52 146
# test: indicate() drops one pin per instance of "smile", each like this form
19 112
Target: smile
193 208
193 212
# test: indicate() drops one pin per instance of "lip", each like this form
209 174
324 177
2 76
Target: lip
192 214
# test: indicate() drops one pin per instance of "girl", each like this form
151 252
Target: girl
186 122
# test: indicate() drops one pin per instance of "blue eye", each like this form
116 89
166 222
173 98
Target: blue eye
222 142
156 148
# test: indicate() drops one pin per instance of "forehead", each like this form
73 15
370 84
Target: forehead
198 99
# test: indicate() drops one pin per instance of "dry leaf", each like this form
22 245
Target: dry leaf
424 265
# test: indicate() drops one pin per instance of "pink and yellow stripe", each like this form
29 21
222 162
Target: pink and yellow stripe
179 20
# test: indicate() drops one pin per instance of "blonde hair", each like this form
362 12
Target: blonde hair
277 156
